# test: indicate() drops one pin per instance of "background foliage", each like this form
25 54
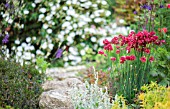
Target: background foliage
43 26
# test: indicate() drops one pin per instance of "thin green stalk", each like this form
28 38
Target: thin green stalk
150 21
129 85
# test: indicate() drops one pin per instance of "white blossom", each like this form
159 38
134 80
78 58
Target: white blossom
28 39
49 31
33 5
93 39
65 8
45 26
44 45
19 54
68 18
17 42
82 52
42 10
26 12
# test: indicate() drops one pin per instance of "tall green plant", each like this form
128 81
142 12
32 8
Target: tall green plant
131 58
154 16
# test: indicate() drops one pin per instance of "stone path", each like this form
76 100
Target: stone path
55 95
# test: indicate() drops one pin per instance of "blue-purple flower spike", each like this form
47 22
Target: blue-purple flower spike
7 5
161 6
59 53
135 12
144 6
5 39
149 7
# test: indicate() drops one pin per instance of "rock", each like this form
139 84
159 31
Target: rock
54 100
65 72
55 95
64 84
62 75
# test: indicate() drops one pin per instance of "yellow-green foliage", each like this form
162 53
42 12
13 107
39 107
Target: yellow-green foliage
7 107
155 96
119 103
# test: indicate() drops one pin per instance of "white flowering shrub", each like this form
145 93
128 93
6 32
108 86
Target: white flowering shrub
92 97
42 24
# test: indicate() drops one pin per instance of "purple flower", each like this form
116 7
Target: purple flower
161 6
135 12
149 7
7 5
5 39
144 27
144 6
59 53
7 36
109 69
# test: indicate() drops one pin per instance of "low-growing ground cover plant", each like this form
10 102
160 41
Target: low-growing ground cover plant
20 86
90 96
154 96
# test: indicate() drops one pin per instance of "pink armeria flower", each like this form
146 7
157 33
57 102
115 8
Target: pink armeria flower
151 59
113 58
101 52
106 42
143 59
147 51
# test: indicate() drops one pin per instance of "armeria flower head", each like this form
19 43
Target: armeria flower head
165 30
117 47
101 52
106 42
117 51
115 40
151 59
127 57
113 58
143 59
108 47
168 6
122 59
147 51
59 53
132 57
163 41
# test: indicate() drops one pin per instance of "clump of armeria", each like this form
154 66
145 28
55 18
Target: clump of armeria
90 97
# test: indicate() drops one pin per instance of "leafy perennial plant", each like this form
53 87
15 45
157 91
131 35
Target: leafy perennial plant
130 59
